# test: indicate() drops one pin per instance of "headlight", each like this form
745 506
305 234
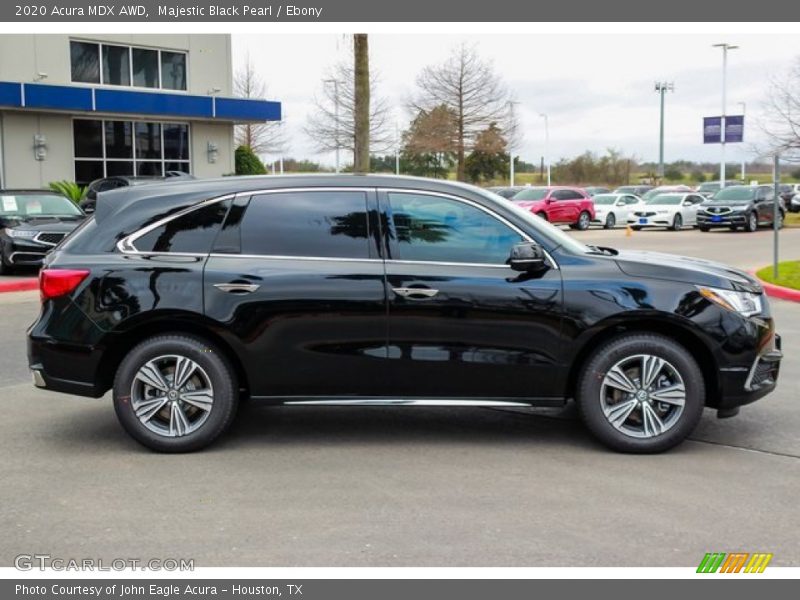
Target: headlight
20 233
745 303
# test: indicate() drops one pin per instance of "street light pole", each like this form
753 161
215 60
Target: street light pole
744 158
662 87
725 47
335 83
511 104
546 144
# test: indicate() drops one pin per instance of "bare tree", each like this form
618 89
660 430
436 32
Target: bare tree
361 103
781 121
261 138
337 99
467 85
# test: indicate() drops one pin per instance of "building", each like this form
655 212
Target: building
82 107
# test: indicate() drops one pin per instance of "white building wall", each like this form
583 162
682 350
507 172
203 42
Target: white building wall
26 57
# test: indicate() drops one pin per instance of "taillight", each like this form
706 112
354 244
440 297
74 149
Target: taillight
57 282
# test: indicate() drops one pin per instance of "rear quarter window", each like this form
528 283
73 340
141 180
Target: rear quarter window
192 233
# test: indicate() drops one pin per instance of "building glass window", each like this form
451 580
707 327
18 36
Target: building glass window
145 68
173 70
112 64
107 148
85 59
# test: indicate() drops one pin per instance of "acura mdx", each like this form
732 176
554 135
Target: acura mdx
185 298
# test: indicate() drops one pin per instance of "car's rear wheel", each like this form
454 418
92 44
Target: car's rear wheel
677 223
175 393
583 222
641 393
611 221
751 223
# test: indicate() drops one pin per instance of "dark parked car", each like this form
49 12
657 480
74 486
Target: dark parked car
593 190
709 188
33 222
117 181
379 290
636 190
745 206
506 191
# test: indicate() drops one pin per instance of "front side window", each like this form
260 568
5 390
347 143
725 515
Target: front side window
439 229
108 148
326 224
193 232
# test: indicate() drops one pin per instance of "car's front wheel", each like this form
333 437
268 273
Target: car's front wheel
641 393
611 221
677 223
175 393
751 224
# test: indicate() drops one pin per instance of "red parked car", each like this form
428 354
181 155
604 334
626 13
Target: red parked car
558 204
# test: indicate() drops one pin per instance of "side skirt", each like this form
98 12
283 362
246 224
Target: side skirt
392 401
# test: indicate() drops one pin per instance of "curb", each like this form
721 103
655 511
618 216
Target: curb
778 291
19 285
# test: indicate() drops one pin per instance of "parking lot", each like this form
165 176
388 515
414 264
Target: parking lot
405 487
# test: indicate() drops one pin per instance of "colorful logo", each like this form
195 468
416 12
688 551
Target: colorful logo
735 562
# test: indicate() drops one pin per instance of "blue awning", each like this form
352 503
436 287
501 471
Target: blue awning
39 96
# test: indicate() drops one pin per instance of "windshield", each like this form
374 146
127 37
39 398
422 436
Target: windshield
665 199
605 199
735 193
531 194
37 205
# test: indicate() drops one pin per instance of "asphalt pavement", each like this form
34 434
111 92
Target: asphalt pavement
404 487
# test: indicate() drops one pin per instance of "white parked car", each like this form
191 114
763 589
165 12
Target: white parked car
613 209
670 210
794 204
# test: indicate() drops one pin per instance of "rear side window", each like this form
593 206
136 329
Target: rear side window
328 224
194 232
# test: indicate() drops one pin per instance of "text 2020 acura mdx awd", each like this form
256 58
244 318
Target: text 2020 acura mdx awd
185 297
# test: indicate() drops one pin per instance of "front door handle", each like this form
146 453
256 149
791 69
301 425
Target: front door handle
237 288
415 292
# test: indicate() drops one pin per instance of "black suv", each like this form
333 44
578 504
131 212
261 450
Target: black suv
33 222
379 290
745 206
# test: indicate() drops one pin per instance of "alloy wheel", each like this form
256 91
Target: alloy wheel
643 396
172 395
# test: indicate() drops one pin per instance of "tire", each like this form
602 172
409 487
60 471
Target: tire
704 229
677 223
542 215
634 433
583 222
636 228
611 221
733 228
162 430
781 219
5 269
751 224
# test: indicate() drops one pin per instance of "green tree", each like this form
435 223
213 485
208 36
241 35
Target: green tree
247 163
673 174
489 158
698 176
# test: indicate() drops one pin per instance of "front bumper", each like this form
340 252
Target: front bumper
731 219
24 252
742 386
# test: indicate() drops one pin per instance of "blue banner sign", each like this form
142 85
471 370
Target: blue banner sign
734 129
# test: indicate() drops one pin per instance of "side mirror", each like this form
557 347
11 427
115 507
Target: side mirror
688 203
527 256
621 203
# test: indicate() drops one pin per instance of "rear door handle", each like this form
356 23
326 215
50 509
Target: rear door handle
415 292
237 288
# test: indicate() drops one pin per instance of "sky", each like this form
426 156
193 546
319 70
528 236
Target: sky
597 90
